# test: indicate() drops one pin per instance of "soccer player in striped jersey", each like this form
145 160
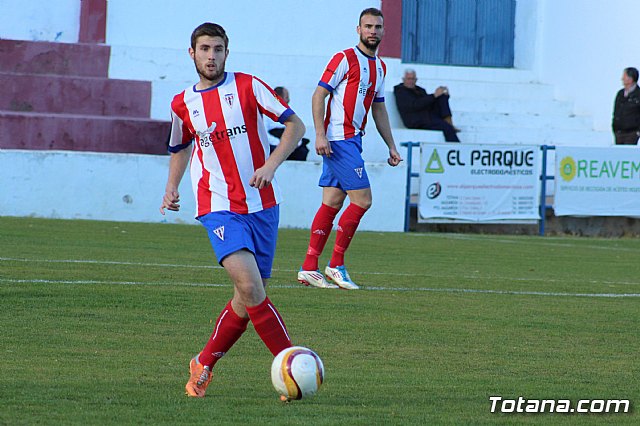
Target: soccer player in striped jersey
354 82
218 125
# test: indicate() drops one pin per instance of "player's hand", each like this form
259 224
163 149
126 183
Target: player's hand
170 201
262 177
323 146
394 157
440 91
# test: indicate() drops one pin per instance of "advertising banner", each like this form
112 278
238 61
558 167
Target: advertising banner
479 183
597 181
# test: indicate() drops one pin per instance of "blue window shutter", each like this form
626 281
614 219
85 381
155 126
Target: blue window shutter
458 32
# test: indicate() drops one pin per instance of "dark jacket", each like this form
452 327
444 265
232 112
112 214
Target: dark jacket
626 111
413 105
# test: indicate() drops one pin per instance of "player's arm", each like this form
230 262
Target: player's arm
381 118
293 131
177 166
323 147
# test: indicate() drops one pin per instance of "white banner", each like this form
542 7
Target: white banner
597 181
479 183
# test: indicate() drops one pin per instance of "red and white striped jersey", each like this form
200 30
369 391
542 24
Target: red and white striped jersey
226 124
355 80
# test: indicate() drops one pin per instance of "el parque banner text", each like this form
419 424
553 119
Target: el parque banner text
479 183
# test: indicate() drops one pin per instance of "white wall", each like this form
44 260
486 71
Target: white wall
40 20
585 47
579 47
527 24
266 26
285 42
129 187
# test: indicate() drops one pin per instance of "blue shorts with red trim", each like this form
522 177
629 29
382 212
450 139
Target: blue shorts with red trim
257 232
344 168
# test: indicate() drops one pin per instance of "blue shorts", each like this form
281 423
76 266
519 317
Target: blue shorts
257 232
344 169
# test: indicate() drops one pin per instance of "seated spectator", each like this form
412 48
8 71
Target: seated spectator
420 110
275 129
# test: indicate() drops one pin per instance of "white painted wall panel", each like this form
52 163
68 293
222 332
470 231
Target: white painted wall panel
129 187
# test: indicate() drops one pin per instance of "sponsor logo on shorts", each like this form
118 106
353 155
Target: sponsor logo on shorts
358 172
219 231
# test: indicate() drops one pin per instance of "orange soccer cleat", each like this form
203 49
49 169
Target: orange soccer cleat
199 380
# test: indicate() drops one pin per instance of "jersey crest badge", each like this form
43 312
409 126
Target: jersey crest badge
229 99
219 231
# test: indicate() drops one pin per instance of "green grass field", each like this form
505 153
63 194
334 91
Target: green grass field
99 321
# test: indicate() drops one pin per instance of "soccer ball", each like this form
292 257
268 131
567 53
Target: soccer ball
297 372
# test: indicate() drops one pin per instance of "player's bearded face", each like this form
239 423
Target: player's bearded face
371 42
209 58
371 31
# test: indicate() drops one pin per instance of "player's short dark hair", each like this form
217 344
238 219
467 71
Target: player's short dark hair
279 90
370 11
209 29
632 73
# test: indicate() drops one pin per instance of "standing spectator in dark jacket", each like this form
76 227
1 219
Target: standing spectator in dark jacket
420 110
626 111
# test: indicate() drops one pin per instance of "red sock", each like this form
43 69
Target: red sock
269 326
320 230
229 327
347 226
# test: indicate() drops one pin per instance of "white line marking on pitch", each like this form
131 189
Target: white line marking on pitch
110 262
284 286
396 274
529 241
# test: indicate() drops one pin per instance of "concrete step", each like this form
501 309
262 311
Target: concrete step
537 136
30 130
162 93
541 106
476 121
479 112
75 95
445 73
490 90
40 57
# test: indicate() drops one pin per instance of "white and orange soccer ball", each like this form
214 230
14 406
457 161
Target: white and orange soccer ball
297 372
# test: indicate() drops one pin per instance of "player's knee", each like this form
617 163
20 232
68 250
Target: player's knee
364 204
250 294
364 201
334 204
